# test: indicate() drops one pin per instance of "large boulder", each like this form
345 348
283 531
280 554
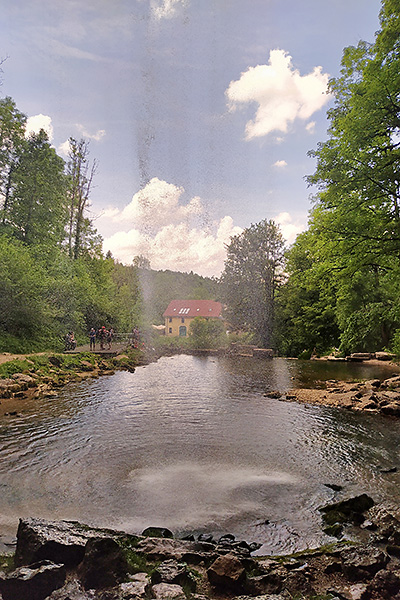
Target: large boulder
35 582
104 564
58 541
227 572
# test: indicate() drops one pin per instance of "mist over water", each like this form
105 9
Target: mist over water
194 444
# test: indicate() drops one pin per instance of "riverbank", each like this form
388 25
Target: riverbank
27 376
62 560
373 396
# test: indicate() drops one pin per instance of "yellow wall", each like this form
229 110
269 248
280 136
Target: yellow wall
175 323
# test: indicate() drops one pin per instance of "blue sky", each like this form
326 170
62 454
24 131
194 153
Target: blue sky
199 113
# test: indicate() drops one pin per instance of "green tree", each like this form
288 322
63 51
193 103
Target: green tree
37 209
356 218
306 302
12 129
207 333
253 269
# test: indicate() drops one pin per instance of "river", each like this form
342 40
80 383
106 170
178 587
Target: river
195 445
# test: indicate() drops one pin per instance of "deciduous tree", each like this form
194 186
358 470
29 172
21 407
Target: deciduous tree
251 274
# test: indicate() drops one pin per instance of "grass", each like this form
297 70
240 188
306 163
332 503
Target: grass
7 563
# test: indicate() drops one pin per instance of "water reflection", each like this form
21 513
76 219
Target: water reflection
193 444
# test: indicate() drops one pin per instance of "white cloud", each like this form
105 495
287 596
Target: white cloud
282 94
171 234
64 148
289 229
166 9
36 123
310 127
280 164
91 136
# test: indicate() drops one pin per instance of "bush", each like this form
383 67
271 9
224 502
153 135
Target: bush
207 333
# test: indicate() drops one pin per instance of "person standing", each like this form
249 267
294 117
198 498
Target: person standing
102 336
110 335
92 338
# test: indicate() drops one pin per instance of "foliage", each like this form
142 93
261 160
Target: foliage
306 302
37 210
207 333
251 276
343 273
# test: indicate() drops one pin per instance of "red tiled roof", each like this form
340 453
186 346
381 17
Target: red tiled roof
193 308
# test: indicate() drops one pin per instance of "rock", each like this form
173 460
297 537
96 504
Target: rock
384 586
8 387
392 382
228 538
170 571
72 590
353 592
26 380
59 541
104 564
359 356
392 409
274 395
161 532
133 590
54 360
86 365
373 383
168 591
298 582
334 487
388 469
363 562
165 548
206 537
349 510
35 582
270 583
227 572
384 356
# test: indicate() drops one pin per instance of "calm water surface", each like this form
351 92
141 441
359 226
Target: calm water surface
194 444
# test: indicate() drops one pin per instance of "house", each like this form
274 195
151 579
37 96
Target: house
180 313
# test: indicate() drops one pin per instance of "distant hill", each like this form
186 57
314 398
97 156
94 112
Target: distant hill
160 287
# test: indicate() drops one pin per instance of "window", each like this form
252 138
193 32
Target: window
170 330
182 320
182 331
170 319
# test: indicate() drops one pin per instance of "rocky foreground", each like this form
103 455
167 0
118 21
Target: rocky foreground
69 561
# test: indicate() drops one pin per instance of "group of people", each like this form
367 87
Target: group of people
105 336
70 341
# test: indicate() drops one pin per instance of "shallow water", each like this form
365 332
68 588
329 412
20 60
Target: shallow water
193 444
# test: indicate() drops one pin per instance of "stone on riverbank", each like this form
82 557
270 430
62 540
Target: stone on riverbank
119 566
35 582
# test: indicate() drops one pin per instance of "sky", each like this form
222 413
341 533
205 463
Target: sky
198 113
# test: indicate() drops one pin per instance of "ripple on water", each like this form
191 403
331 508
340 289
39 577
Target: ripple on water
192 444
